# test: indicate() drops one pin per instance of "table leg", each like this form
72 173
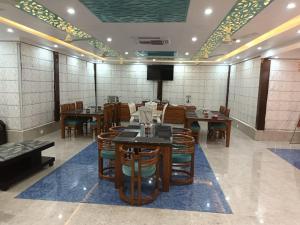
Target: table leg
62 126
118 172
228 131
167 167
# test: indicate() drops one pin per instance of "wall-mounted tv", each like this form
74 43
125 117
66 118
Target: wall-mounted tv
160 72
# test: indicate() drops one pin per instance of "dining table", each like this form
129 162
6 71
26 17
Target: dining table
160 137
96 113
210 117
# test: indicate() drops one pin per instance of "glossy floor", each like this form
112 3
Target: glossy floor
260 186
77 181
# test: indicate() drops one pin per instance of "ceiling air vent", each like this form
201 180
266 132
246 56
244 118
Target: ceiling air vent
152 41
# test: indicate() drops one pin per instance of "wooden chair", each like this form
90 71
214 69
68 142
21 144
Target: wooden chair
138 165
71 123
108 117
117 129
183 131
219 128
183 150
222 109
106 151
79 104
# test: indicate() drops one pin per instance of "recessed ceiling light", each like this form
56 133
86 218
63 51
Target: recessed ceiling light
276 57
9 30
238 41
186 53
208 11
259 48
237 57
55 46
126 53
71 11
291 5
82 55
194 39
298 31
109 39
153 60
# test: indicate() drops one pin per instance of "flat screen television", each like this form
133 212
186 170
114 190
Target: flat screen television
160 72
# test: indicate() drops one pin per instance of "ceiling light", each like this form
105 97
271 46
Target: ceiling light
55 46
237 57
238 41
71 11
126 53
298 32
9 30
208 11
291 5
186 53
109 39
259 48
82 55
153 60
194 39
276 57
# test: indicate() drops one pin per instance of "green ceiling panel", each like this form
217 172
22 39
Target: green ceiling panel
158 54
138 11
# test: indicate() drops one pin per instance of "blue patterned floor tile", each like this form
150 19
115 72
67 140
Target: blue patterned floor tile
77 181
290 155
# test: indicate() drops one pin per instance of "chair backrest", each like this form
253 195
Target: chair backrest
64 108
132 108
163 113
144 157
227 112
183 131
152 105
183 144
108 116
175 114
222 109
145 115
72 106
105 141
79 105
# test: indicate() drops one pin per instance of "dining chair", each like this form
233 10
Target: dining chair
163 114
219 128
79 104
145 115
132 109
142 167
183 150
106 155
222 109
71 123
152 105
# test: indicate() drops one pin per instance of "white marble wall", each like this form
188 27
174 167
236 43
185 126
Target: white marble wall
127 81
37 86
205 84
283 107
243 91
9 85
76 80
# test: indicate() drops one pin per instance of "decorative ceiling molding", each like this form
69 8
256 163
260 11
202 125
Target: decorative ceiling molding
240 14
73 33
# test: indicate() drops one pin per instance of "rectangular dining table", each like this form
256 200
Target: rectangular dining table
81 113
198 115
160 138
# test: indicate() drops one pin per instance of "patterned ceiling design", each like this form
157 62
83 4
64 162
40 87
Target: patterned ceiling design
240 14
138 11
73 33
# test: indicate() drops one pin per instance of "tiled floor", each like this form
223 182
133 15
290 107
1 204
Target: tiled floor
259 186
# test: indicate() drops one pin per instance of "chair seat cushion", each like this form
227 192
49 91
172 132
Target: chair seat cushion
181 158
217 126
146 171
72 122
108 154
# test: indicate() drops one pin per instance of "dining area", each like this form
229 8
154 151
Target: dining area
144 149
